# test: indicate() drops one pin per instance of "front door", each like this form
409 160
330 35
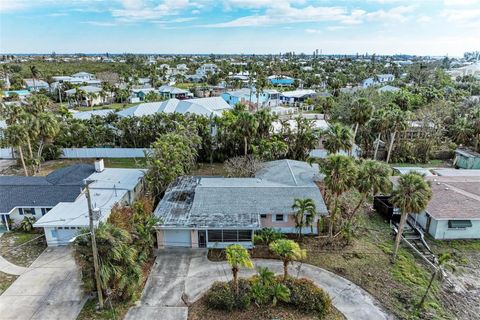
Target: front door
202 238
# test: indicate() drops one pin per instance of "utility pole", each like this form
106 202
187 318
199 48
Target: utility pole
94 246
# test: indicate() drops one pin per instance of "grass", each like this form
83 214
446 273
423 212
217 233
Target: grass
49 166
207 169
366 262
5 281
114 106
188 85
24 255
90 312
430 164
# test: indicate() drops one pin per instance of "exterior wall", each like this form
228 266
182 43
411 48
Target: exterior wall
287 226
56 236
442 231
194 237
16 217
160 239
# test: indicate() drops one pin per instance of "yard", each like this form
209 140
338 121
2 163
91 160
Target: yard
14 247
114 106
430 164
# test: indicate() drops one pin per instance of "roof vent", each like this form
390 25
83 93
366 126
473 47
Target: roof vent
99 166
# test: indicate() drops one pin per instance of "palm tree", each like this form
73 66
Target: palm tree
16 135
411 196
337 137
288 251
246 127
379 124
361 112
397 121
340 175
35 73
305 211
462 131
373 178
237 256
260 84
443 261
48 128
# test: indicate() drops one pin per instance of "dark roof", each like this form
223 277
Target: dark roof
62 185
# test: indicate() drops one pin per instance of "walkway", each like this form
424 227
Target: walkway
49 289
181 277
10 268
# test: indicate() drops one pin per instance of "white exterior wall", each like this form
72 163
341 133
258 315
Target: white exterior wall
440 230
56 236
16 217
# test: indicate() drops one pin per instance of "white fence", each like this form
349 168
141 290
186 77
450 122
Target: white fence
6 153
76 153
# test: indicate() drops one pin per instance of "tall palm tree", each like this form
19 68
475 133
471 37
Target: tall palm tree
462 131
305 211
48 129
379 124
35 73
337 137
340 175
260 84
411 196
373 178
246 127
361 112
237 256
16 135
397 121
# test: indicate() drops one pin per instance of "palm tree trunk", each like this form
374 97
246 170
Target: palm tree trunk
392 139
401 226
235 277
29 147
362 199
285 270
376 146
355 131
332 218
23 161
428 288
245 144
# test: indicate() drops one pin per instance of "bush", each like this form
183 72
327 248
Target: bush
307 297
26 224
222 296
266 236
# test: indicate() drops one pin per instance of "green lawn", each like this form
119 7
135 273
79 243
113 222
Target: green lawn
430 164
114 106
125 162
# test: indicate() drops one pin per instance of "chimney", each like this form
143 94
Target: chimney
99 166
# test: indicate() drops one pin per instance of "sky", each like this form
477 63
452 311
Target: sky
420 27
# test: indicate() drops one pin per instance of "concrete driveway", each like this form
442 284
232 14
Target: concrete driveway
48 290
181 277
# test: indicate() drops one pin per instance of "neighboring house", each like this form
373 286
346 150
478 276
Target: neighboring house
214 212
378 79
452 213
84 76
108 187
22 94
35 85
297 96
87 115
281 81
267 98
34 196
466 159
91 97
388 88
207 68
170 92
138 95
213 106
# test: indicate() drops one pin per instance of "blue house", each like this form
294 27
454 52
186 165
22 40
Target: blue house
281 80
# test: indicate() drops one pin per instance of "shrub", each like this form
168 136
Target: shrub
267 235
222 296
307 297
27 224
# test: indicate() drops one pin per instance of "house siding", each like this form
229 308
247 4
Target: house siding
442 231
286 226
16 217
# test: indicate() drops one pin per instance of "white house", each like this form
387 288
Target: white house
90 98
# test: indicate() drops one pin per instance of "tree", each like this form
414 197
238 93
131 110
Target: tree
260 84
174 155
361 112
16 135
411 196
237 256
305 212
288 251
397 120
337 137
373 178
443 260
379 125
462 131
340 176
35 73
246 127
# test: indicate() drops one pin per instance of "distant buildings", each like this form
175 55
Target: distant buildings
378 79
281 81
297 96
267 98
35 84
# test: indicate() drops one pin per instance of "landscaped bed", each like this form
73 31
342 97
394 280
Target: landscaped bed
14 247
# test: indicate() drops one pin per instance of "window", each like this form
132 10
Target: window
29 211
263 216
279 218
230 236
459 224
45 210
244 235
214 235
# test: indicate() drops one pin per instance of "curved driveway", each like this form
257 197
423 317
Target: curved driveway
181 277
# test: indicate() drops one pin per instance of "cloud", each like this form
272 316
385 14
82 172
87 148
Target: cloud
456 3
101 23
313 31
462 16
58 14
138 10
424 19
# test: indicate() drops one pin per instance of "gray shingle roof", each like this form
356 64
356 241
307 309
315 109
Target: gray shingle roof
59 186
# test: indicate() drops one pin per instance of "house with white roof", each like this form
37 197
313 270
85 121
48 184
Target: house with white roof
108 187
170 92
213 212
378 79
87 115
297 96
267 98
90 98
36 84
212 106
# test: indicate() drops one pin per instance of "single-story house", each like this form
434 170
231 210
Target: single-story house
36 84
466 159
34 196
139 94
108 187
213 106
87 115
214 212
90 98
380 78
452 213
170 92
267 98
296 96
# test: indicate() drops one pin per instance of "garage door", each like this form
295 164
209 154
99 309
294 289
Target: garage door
177 238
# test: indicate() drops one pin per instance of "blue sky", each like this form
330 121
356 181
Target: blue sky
424 27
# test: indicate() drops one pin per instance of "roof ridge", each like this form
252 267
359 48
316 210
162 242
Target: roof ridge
291 172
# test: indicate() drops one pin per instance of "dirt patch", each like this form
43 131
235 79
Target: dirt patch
11 247
5 281
200 311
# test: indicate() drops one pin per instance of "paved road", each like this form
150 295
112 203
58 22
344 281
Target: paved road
181 277
48 290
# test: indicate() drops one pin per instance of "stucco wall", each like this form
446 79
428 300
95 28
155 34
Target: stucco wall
441 231
286 227
16 217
